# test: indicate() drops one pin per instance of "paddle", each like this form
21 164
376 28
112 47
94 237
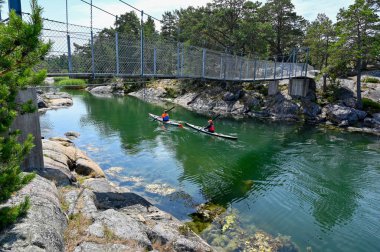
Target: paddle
170 109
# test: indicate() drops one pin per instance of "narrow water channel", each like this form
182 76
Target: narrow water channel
318 186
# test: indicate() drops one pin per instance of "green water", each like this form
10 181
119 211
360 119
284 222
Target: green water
320 187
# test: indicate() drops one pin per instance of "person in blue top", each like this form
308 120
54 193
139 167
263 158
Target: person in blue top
165 116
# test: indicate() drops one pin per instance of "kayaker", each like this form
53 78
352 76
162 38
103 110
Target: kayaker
210 127
165 116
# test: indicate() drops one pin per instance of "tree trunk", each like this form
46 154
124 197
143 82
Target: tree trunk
324 87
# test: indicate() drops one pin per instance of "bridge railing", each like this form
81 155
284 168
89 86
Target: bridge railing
81 51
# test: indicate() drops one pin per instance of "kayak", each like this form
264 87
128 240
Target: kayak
170 122
201 129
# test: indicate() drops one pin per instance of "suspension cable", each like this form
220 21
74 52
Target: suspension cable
133 7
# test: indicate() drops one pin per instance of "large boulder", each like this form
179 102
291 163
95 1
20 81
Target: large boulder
43 227
282 108
61 157
342 115
101 90
121 225
345 97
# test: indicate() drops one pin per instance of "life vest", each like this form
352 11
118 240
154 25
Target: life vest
212 128
165 117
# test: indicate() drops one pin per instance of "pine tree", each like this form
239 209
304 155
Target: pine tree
358 32
20 50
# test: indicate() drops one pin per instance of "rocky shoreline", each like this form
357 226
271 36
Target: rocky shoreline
75 208
241 101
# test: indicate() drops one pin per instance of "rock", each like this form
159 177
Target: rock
186 245
72 135
102 90
92 247
149 94
88 167
228 96
262 241
53 100
100 185
346 97
161 189
40 102
81 201
338 113
282 108
310 109
371 123
43 227
122 226
61 157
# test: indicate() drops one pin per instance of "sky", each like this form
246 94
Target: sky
79 12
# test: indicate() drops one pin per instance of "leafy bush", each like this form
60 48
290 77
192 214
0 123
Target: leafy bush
370 80
170 92
9 215
370 105
75 83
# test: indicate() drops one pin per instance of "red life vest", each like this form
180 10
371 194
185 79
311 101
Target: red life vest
212 128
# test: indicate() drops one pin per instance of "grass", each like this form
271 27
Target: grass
370 80
370 105
58 79
72 83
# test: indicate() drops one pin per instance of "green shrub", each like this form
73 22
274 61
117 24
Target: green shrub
72 83
58 79
370 105
10 215
21 50
370 80
170 92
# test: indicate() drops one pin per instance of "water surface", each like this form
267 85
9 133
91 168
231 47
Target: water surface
320 187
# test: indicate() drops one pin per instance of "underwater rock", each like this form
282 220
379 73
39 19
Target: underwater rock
262 241
161 189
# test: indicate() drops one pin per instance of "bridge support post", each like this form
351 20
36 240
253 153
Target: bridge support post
254 69
29 123
241 68
117 53
265 70
178 60
16 6
275 70
142 44
282 67
298 87
154 60
69 58
204 63
273 87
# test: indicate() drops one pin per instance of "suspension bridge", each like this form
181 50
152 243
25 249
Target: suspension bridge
86 52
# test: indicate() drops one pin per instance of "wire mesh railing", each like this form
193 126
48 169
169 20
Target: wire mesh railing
77 50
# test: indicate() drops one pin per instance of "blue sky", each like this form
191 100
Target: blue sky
79 12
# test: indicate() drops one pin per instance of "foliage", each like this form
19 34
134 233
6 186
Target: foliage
287 26
58 79
319 36
170 92
370 105
71 82
358 40
20 50
370 80
9 215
